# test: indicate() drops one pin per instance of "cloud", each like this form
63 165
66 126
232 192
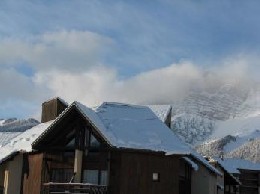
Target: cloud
148 34
21 60
73 51
103 84
161 86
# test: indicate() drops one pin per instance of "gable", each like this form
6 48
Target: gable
69 128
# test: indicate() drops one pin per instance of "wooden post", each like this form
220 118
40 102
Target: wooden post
78 165
6 181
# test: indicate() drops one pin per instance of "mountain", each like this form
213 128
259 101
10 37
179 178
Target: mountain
10 128
220 117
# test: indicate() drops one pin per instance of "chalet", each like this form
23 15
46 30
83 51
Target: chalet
202 180
247 172
116 148
227 184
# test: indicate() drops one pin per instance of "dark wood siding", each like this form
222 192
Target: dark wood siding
32 173
132 173
250 181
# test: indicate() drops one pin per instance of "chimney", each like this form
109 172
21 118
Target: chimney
51 109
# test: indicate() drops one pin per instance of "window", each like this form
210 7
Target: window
103 177
90 176
97 177
91 140
61 175
156 177
94 143
71 144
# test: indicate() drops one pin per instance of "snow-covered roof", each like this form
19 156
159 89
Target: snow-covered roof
193 164
22 142
137 127
131 126
161 111
232 165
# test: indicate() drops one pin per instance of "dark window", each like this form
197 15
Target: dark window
61 175
97 177
71 144
94 143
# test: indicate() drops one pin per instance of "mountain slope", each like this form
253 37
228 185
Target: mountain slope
221 120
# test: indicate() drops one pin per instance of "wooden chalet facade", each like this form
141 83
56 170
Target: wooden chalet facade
73 150
74 154
227 184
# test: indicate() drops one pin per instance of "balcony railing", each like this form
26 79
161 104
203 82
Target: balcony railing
73 188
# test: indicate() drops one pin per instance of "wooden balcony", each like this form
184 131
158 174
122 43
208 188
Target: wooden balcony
73 188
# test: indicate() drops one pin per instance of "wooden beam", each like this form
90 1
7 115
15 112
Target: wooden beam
78 165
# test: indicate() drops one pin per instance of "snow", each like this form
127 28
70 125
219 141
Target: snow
193 164
6 137
137 127
241 140
240 126
161 111
232 165
23 141
2 122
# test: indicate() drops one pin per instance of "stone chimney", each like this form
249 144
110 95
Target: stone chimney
52 108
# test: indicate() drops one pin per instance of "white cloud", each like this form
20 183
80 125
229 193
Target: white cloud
68 64
161 86
62 50
17 86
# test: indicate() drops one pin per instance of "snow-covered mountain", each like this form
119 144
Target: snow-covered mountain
221 120
10 128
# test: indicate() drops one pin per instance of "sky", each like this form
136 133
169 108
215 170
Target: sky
142 52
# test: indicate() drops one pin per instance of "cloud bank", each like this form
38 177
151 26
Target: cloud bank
70 64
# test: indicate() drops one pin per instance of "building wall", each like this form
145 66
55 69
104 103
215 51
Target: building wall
132 173
250 180
203 181
2 175
32 174
220 180
11 173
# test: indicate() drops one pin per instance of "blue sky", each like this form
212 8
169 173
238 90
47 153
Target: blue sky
48 45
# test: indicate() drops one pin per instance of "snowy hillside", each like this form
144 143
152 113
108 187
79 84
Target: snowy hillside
223 119
10 128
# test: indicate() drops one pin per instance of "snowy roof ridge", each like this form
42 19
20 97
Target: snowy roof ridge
92 118
233 165
121 104
192 163
200 158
